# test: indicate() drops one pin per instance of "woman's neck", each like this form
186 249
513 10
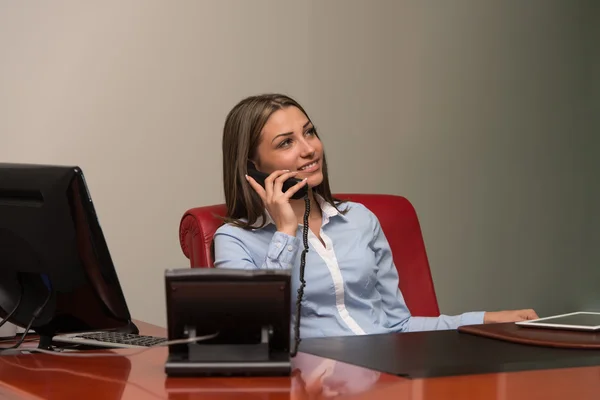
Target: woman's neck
299 205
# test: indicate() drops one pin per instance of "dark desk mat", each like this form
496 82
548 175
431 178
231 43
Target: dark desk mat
536 336
444 353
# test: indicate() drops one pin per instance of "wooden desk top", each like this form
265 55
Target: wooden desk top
142 376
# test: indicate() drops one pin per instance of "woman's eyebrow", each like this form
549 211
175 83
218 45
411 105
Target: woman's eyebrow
290 133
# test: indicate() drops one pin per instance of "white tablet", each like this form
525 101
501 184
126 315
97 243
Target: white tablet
581 320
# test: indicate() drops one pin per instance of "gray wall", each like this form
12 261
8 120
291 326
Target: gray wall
474 111
594 158
478 112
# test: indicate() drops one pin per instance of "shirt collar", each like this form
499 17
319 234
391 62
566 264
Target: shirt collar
327 210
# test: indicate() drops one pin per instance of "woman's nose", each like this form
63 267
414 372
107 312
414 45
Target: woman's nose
307 149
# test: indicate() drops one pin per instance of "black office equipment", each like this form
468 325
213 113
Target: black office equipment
248 311
260 177
56 273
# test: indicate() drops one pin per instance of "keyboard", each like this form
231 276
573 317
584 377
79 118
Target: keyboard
109 339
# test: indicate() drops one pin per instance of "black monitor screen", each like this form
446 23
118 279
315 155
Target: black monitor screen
53 252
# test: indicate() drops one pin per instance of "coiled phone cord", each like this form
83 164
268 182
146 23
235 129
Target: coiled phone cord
302 281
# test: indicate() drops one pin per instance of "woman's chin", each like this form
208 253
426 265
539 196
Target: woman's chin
314 181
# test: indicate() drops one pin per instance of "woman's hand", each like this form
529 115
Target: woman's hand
509 316
278 202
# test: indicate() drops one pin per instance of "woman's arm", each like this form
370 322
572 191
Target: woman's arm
392 299
235 247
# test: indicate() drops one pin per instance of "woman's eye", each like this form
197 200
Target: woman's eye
285 143
311 132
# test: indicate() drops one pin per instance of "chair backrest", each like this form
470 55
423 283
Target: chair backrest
398 220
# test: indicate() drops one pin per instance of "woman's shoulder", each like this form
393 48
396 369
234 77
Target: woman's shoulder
358 214
230 229
353 209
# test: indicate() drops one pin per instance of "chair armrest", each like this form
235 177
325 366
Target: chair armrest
196 231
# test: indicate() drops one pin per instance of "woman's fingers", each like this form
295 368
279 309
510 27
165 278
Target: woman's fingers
291 191
257 188
269 181
273 184
276 202
278 183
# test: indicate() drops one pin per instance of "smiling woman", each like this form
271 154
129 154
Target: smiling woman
275 133
351 280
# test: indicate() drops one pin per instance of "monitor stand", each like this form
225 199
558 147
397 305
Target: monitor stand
44 343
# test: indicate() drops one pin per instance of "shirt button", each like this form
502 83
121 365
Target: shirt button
290 248
278 245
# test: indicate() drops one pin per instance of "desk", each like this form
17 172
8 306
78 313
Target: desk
141 376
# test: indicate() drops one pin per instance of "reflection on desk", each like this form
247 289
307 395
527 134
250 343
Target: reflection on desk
312 378
142 376
316 376
550 384
42 373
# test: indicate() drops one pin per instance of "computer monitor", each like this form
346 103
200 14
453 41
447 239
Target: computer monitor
244 314
54 259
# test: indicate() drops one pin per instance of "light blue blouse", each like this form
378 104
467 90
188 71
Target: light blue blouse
351 282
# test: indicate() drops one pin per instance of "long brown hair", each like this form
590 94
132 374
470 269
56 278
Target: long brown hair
241 136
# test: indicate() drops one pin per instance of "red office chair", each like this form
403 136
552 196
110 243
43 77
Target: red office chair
398 220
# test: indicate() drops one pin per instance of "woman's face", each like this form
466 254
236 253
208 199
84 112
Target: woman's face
289 141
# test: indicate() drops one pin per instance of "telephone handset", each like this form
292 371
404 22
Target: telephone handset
261 176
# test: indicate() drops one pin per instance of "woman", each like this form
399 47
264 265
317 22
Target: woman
351 281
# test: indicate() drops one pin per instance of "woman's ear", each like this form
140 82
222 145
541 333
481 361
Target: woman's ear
253 164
